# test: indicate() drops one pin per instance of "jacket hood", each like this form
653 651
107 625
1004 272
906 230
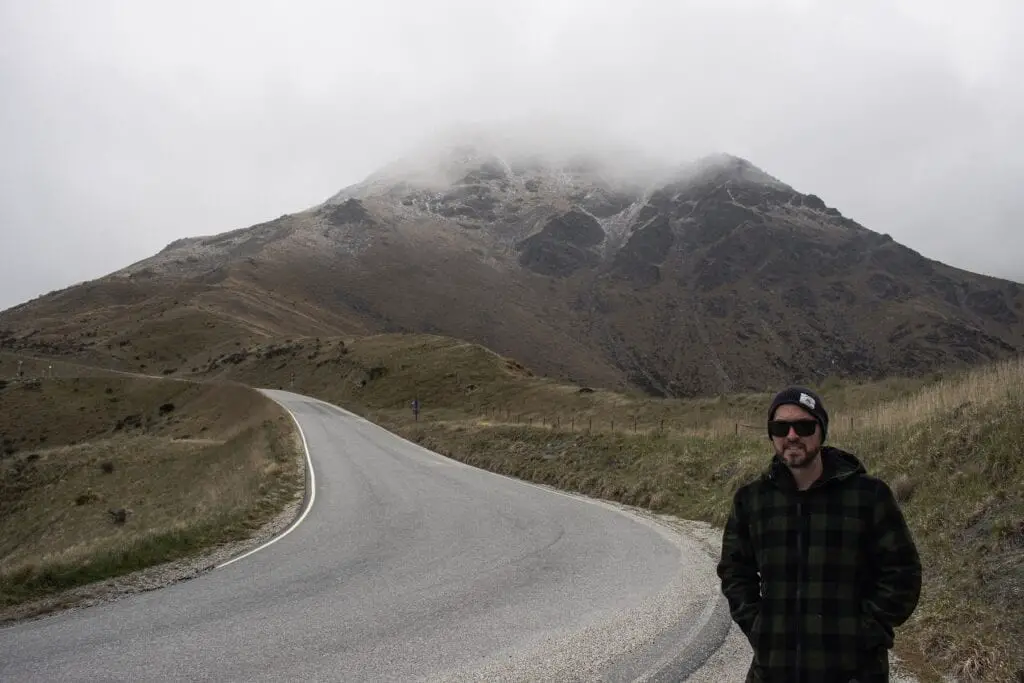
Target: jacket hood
837 466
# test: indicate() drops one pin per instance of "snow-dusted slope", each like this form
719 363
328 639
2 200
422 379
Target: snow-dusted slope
503 189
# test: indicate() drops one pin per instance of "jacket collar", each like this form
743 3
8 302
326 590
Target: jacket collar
837 465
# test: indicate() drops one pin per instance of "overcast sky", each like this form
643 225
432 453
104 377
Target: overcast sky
126 125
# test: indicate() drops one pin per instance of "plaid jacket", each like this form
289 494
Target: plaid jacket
818 579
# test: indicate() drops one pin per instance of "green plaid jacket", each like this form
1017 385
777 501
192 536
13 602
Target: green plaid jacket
818 579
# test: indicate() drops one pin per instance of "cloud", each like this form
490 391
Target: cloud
127 125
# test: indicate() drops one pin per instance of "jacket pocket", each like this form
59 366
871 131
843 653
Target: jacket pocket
760 640
872 633
874 651
755 629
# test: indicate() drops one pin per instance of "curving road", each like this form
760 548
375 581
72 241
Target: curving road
407 566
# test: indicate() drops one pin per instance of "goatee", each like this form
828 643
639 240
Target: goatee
798 457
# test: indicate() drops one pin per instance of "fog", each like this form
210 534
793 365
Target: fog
124 126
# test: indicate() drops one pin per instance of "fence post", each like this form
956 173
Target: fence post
590 425
736 428
851 424
634 424
613 424
661 428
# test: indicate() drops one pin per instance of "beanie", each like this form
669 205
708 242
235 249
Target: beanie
806 399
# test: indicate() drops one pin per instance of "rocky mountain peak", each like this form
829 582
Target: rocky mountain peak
724 168
601 265
520 164
495 172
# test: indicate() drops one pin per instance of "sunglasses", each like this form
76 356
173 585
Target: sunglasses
780 428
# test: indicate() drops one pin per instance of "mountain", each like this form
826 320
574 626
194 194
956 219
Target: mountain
600 268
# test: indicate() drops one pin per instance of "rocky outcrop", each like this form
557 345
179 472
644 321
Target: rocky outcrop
646 249
348 212
991 303
563 246
469 201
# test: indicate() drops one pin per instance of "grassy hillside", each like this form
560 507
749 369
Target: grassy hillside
949 446
101 476
453 380
159 326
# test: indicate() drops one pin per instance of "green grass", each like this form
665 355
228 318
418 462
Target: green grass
31 582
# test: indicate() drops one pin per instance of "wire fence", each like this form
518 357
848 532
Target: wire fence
628 422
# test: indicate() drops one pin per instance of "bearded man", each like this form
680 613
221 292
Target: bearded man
818 564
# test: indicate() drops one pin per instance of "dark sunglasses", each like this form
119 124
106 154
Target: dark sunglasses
780 428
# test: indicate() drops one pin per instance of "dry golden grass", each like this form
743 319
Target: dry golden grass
979 387
69 410
202 465
159 326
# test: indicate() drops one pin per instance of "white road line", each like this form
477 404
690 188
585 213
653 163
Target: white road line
309 506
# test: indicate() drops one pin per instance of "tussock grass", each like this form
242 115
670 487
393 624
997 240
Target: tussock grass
979 387
76 463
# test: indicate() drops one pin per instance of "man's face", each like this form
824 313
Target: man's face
795 450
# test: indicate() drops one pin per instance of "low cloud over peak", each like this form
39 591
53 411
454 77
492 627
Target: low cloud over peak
125 127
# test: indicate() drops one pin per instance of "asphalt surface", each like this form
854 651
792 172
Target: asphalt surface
408 566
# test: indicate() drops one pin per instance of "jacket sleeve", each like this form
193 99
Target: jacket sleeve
737 568
897 569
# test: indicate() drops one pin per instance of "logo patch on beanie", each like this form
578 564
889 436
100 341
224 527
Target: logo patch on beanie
807 401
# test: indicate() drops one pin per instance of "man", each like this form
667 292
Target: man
818 564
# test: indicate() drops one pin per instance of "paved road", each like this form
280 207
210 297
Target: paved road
407 566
